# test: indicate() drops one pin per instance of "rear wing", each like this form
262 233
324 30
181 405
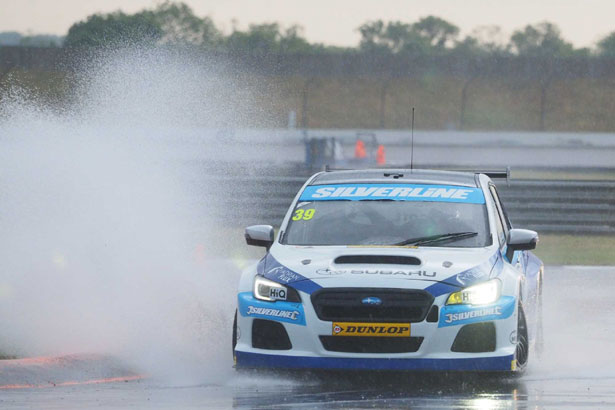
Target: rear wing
495 174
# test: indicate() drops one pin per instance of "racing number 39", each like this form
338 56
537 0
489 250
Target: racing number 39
303 214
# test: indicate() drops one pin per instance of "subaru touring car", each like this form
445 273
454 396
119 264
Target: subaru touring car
391 270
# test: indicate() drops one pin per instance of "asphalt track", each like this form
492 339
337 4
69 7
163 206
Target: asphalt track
577 370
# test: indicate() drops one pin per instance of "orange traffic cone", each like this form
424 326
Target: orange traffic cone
380 157
359 149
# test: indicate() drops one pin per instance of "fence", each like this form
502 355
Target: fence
369 91
583 207
332 65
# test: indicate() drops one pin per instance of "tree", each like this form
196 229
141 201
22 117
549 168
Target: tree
293 42
606 46
168 23
373 39
41 40
268 38
259 38
540 40
438 32
180 25
394 37
115 29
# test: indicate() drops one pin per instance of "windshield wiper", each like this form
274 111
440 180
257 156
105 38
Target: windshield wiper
454 236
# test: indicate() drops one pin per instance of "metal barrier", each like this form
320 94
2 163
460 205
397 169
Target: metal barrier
561 206
584 207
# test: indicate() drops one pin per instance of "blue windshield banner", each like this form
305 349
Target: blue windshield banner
395 192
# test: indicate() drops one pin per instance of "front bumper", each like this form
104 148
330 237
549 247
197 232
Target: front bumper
304 329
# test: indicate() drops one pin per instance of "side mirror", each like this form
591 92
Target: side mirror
520 240
259 235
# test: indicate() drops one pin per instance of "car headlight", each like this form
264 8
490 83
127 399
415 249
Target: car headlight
481 294
265 289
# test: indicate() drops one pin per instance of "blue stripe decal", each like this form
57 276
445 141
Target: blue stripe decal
280 311
499 363
274 270
396 192
441 288
454 315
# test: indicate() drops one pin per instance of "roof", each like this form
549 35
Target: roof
396 176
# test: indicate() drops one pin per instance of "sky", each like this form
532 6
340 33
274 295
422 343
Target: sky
335 22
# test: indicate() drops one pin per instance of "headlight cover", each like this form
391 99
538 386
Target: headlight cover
481 294
265 289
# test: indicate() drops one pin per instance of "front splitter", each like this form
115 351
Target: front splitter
488 364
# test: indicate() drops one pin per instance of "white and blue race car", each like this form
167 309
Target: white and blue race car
391 270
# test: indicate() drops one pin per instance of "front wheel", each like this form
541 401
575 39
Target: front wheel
234 337
523 345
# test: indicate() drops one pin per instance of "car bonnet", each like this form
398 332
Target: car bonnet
310 268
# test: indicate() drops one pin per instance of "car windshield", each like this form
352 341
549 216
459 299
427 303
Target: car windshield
388 222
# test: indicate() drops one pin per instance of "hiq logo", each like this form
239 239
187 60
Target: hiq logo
277 294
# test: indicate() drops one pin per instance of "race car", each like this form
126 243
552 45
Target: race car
391 270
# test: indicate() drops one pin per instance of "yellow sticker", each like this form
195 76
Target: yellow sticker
371 329
513 365
304 214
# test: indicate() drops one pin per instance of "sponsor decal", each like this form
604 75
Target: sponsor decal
473 275
283 274
489 268
478 273
391 272
463 314
288 312
277 293
270 268
331 272
398 192
489 311
360 329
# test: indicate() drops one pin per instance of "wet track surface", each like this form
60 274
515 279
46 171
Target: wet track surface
329 391
575 371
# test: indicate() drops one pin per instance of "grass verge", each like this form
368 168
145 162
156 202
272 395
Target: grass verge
576 249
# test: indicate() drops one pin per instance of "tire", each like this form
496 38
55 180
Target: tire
523 346
234 337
